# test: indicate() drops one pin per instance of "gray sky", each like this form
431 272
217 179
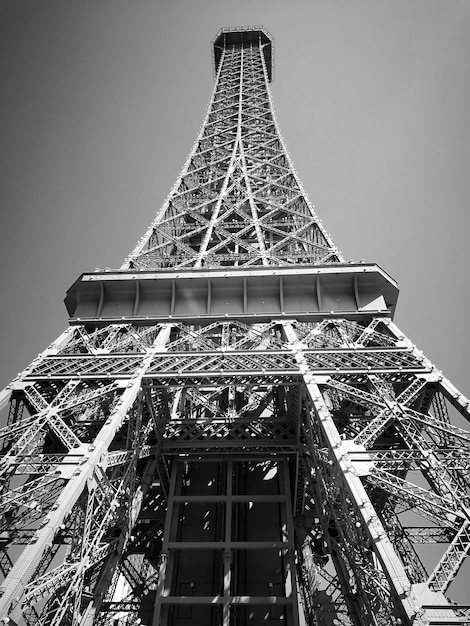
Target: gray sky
102 100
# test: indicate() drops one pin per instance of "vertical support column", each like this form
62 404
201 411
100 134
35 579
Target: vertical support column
287 522
227 554
165 570
13 586
400 586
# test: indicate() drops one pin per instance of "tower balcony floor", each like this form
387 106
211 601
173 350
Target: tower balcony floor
250 294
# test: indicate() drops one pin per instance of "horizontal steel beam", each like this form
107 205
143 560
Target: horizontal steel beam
173 368
232 545
260 600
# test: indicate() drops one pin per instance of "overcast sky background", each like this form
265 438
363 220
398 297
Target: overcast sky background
102 100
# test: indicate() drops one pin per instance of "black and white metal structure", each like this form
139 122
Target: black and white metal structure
232 431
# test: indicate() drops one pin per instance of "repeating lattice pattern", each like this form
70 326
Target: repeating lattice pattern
238 201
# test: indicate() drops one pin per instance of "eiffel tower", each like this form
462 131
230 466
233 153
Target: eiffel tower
232 430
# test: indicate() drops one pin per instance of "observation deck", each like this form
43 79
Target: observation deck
248 294
228 37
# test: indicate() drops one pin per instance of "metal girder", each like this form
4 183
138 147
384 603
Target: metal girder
398 594
169 368
432 505
14 584
453 558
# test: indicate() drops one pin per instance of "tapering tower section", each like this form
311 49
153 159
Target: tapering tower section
232 431
238 201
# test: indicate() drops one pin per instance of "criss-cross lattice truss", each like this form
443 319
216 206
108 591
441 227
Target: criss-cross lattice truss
238 201
232 431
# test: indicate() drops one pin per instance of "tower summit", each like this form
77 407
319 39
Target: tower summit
232 431
258 36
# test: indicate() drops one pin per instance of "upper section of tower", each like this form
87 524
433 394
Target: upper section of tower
238 201
237 37
237 234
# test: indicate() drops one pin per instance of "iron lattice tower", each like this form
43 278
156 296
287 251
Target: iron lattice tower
232 430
